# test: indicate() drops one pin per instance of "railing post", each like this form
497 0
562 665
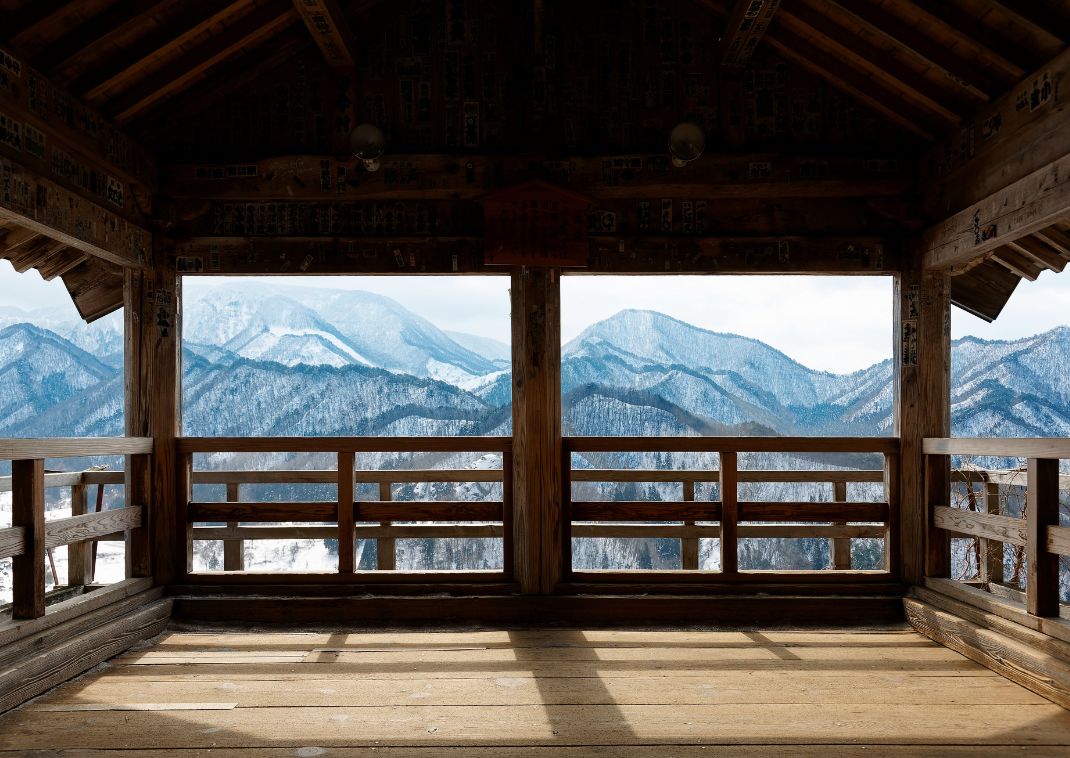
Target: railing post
233 550
347 548
136 487
729 514
689 545
893 545
79 554
840 547
507 514
1042 511
385 556
937 493
28 511
991 568
183 548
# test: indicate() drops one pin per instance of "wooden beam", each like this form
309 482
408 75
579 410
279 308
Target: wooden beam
1023 131
744 29
1042 511
173 78
71 144
538 528
42 22
38 204
329 28
1028 205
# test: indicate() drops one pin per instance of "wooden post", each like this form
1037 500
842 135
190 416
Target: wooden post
1042 511
893 545
138 541
233 550
922 390
991 567
729 514
507 514
840 547
79 555
689 545
347 548
937 542
538 522
153 394
28 511
182 549
385 555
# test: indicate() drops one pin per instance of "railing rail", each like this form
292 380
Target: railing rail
353 519
1038 531
30 539
837 520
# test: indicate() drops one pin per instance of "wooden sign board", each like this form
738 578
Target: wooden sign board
535 224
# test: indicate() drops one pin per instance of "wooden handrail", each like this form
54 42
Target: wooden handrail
72 447
886 445
995 447
187 445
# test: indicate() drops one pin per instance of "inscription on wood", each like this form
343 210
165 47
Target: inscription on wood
536 224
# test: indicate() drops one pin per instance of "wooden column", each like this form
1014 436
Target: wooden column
840 547
137 479
1042 511
538 523
153 381
233 550
347 548
28 511
729 514
689 552
922 383
385 547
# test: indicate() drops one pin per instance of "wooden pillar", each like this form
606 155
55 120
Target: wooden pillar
385 547
347 548
138 541
28 511
840 547
689 552
1042 511
153 381
538 521
233 550
729 514
922 383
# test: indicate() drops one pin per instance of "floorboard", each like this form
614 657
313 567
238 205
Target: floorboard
518 693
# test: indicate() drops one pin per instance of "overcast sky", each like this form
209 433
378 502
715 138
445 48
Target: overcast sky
836 324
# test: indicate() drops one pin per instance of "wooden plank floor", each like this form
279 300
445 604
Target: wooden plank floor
564 693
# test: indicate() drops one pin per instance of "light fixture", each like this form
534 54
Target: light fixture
686 143
368 143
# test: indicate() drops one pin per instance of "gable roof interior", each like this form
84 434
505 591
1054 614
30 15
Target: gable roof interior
924 67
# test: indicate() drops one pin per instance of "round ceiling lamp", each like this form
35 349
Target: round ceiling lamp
368 143
687 141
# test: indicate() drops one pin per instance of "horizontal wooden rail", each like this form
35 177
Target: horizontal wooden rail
713 475
644 510
73 447
414 531
92 526
989 526
1058 541
12 541
1036 447
188 445
382 476
810 512
885 445
408 510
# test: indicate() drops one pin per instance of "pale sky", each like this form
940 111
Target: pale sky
838 324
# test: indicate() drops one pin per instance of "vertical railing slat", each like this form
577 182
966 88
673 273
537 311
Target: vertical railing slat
385 555
937 493
1042 511
689 545
347 548
79 555
28 511
729 514
992 550
893 540
233 550
840 547
184 527
507 514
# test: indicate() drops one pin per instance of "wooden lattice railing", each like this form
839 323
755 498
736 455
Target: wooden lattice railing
1038 532
30 538
352 519
730 518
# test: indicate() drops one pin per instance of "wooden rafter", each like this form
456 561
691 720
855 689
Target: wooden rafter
41 22
329 28
744 29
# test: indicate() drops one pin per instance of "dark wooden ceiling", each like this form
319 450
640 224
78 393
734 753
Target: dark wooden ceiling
214 80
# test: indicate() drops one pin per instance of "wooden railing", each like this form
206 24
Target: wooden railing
1038 532
29 538
352 519
838 520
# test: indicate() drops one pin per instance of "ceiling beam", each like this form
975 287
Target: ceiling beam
744 29
42 206
1028 205
42 22
329 28
183 72
1021 132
